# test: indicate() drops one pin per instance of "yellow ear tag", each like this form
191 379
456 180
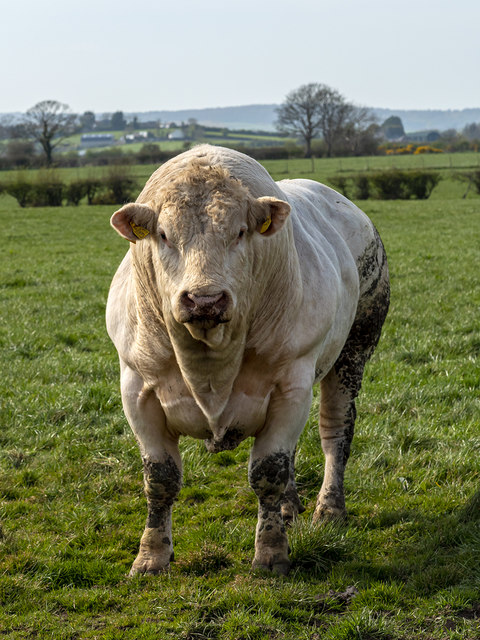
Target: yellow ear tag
266 225
140 232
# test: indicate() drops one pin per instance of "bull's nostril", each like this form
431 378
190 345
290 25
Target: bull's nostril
192 300
186 300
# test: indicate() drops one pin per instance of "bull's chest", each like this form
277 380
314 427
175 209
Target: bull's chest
242 415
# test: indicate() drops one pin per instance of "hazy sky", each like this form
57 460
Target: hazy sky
108 55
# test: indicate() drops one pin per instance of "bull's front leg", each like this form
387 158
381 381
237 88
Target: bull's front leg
162 482
269 475
162 472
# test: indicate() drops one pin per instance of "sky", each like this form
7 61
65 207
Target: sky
109 55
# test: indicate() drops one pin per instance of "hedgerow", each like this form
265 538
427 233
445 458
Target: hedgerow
47 189
392 184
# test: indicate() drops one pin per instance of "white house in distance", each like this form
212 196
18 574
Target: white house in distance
138 136
96 140
177 134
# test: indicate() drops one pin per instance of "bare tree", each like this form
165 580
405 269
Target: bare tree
48 122
301 114
472 131
361 135
316 109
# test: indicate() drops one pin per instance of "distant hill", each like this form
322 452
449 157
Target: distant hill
252 116
263 116
421 120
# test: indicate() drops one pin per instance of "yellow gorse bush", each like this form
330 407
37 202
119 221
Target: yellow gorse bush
427 149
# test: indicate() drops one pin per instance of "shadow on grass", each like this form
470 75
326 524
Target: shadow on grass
423 552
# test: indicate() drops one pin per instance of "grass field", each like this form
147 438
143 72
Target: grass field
71 503
449 166
215 136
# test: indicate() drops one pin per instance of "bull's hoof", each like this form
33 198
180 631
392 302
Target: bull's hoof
152 565
280 568
325 513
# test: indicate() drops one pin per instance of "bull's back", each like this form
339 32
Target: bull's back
323 216
332 237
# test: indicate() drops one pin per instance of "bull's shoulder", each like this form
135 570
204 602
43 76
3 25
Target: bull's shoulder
139 336
117 295
121 323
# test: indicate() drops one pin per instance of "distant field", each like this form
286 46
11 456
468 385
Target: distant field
223 136
71 503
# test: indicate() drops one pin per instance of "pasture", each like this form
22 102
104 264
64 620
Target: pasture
449 166
71 500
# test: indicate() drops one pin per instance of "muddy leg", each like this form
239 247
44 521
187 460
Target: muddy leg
162 471
162 482
271 466
269 477
337 420
339 389
291 505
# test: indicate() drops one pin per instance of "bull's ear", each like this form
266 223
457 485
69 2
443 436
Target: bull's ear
269 214
134 221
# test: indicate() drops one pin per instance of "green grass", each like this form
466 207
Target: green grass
71 503
449 166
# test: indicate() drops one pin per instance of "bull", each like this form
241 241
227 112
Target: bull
237 294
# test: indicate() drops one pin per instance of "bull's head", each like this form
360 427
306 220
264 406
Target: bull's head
206 228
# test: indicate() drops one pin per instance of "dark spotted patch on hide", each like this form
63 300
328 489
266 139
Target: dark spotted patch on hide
363 337
163 481
372 311
270 474
372 266
268 477
230 440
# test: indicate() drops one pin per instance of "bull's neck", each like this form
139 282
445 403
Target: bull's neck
279 293
209 372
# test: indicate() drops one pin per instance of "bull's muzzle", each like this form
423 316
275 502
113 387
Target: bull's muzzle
206 310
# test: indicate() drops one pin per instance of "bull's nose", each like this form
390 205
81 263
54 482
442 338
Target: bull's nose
205 301
202 302
205 307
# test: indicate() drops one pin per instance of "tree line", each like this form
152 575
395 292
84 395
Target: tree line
318 116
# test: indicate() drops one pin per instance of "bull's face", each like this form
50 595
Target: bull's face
204 226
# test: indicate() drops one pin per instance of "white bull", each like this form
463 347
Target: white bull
236 296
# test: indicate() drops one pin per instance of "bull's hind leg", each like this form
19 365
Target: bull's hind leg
337 420
339 389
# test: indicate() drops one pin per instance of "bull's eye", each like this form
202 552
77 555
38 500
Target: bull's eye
163 236
238 239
